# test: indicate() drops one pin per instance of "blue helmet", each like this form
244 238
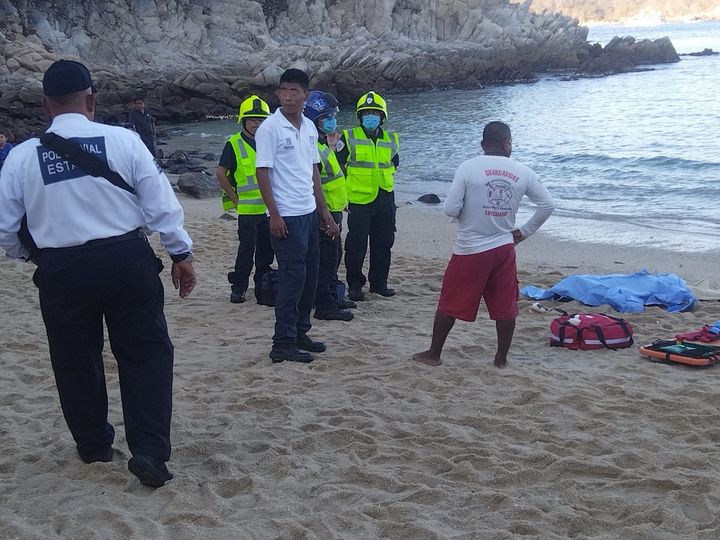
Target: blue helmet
320 104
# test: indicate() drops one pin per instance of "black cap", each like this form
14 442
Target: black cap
66 77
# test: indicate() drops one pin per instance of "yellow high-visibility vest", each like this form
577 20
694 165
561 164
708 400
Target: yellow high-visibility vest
332 179
369 166
250 201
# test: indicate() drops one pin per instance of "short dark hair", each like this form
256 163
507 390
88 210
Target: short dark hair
496 132
297 76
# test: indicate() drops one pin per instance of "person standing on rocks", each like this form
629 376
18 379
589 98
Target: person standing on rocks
237 178
95 263
287 172
369 157
322 108
5 148
485 196
142 122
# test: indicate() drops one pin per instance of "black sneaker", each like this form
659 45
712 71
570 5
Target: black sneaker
237 297
150 471
334 315
383 291
357 295
306 344
292 354
346 304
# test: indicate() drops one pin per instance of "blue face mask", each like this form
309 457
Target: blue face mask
329 124
370 121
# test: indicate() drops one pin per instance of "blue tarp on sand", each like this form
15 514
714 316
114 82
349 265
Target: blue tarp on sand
628 293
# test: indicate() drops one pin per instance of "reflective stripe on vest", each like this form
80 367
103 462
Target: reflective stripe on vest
332 179
250 200
369 166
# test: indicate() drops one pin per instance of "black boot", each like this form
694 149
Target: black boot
346 304
290 354
334 315
382 291
306 344
356 294
237 296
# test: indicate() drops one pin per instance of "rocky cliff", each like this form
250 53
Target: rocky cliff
640 10
190 58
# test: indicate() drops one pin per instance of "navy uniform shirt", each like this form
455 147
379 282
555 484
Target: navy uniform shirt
66 207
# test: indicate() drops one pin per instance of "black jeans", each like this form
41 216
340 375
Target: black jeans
330 255
298 258
255 247
118 282
375 220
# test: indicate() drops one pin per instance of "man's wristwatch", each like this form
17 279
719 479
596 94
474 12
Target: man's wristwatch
182 258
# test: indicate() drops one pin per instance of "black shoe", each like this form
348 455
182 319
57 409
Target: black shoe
346 304
383 291
102 457
292 354
356 295
334 315
237 297
306 344
150 471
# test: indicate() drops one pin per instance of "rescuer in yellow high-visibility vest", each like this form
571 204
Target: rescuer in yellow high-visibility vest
369 157
236 176
322 108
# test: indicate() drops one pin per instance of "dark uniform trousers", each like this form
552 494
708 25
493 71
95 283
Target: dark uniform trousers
255 246
375 220
118 281
298 259
330 255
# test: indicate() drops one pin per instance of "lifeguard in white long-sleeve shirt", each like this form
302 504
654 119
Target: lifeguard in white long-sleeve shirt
485 196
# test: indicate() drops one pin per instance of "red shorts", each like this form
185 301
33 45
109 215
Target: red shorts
491 275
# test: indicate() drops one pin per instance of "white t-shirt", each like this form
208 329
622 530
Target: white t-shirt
289 153
485 196
67 207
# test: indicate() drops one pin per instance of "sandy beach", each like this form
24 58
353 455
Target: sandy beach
365 443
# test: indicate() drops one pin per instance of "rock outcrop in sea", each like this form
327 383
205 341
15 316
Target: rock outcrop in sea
190 59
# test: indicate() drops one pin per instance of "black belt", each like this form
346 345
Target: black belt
137 233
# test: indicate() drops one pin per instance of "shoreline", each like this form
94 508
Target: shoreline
542 251
427 233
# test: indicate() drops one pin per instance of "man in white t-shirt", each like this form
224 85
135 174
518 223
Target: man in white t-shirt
289 181
485 196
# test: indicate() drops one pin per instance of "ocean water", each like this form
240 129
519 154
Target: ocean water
631 159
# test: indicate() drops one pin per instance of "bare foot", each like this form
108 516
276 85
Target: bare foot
500 362
428 358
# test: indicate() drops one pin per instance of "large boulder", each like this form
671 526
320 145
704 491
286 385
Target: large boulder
200 185
624 54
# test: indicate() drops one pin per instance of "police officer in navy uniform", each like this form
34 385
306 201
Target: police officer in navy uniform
95 262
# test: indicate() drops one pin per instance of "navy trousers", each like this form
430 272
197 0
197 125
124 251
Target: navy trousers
118 282
376 221
255 247
298 258
330 255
